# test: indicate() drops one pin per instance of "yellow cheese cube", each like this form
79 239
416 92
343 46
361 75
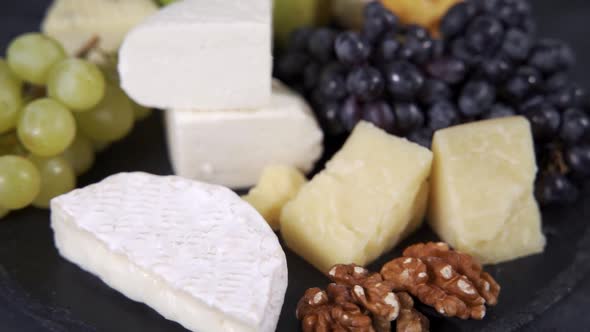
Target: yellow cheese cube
278 184
371 194
481 198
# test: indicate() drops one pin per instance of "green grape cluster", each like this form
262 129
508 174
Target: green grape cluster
56 113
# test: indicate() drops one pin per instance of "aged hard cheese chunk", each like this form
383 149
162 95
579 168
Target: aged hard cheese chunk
278 184
194 252
482 190
371 194
200 54
232 148
75 22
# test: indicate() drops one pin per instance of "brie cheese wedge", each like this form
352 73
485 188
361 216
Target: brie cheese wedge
200 54
232 148
194 252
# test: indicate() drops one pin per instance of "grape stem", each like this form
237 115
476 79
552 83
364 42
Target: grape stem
558 162
90 45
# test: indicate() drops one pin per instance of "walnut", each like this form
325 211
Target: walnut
451 282
409 319
358 301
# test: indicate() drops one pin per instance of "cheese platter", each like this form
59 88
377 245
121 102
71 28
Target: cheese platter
44 261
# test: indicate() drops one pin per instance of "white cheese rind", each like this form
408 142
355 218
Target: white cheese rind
232 148
74 22
196 253
200 54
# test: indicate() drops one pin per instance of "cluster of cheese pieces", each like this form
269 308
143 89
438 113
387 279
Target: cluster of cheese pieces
476 185
208 64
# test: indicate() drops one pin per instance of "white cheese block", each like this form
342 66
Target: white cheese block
232 148
75 22
371 194
194 252
200 54
482 199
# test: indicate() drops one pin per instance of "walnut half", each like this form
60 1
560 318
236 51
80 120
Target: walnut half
451 282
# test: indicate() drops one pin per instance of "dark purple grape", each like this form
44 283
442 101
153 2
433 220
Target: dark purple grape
311 76
291 65
499 111
526 81
387 49
563 98
380 114
556 189
496 70
321 44
487 6
556 82
460 50
373 30
351 113
529 25
403 80
332 86
449 70
575 126
366 83
580 97
378 20
374 8
551 56
416 50
438 48
352 48
509 15
417 31
545 122
329 115
434 90
517 45
299 39
455 20
442 114
422 136
532 103
484 34
578 160
408 118
476 98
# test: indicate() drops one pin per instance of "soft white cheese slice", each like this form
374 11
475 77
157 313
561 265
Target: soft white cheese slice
203 54
232 148
75 22
194 252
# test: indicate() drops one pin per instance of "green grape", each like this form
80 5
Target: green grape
20 182
11 101
76 83
57 178
46 127
80 154
166 2
111 120
7 74
31 56
100 146
140 112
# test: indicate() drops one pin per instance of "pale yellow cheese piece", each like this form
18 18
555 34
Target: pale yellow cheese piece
371 194
278 184
481 199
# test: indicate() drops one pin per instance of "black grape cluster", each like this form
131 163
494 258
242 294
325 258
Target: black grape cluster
487 63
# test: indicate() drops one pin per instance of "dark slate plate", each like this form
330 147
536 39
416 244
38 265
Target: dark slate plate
39 291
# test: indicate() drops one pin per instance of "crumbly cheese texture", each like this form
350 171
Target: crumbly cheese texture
74 22
232 148
194 252
200 54
278 184
371 194
482 198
